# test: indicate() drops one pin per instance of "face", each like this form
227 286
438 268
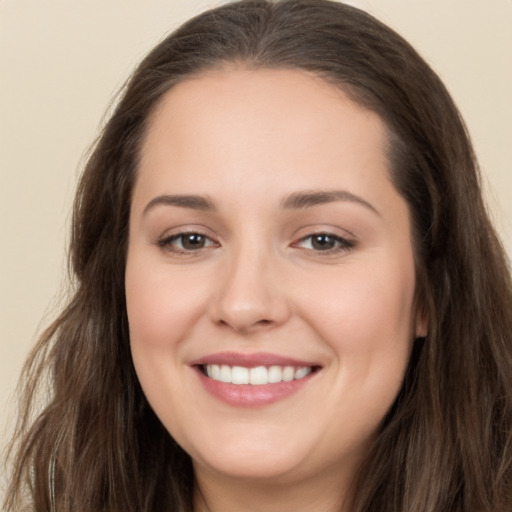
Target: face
270 277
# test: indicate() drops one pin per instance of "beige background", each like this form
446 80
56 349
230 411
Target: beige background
61 62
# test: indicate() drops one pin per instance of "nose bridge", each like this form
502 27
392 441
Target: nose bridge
250 294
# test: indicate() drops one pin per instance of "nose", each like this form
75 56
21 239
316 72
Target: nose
250 296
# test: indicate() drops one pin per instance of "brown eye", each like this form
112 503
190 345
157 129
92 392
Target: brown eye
192 241
186 242
325 242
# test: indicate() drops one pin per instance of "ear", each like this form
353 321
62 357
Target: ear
421 323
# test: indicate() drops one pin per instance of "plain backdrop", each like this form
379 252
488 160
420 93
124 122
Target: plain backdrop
61 61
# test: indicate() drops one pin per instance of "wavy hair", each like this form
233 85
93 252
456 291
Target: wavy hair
445 445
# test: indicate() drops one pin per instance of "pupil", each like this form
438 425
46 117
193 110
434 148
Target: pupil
193 241
323 242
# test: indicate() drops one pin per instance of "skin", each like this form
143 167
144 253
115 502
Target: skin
247 140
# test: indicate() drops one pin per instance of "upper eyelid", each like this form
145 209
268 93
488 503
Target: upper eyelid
187 230
334 231
169 240
175 236
339 238
175 233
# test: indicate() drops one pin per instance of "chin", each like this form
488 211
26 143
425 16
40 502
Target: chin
247 458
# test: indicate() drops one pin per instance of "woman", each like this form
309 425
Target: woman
289 295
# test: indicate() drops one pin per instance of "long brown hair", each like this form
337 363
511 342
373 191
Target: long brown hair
446 443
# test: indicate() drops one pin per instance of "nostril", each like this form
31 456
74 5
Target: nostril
246 326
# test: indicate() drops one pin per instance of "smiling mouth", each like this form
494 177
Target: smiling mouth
256 376
253 380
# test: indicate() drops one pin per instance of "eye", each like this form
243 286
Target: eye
186 242
324 242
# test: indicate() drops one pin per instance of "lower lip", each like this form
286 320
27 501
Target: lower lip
248 395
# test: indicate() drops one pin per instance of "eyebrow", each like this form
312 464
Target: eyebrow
194 202
296 200
307 199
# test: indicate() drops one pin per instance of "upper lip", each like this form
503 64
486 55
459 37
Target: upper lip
250 360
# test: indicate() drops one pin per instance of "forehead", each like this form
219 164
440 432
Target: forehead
252 121
263 133
237 94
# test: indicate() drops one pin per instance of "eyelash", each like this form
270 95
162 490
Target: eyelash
167 243
341 244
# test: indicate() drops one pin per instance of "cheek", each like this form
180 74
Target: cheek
162 306
162 310
367 317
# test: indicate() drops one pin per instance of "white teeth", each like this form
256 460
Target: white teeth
225 373
257 376
288 373
275 374
215 372
300 373
239 375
